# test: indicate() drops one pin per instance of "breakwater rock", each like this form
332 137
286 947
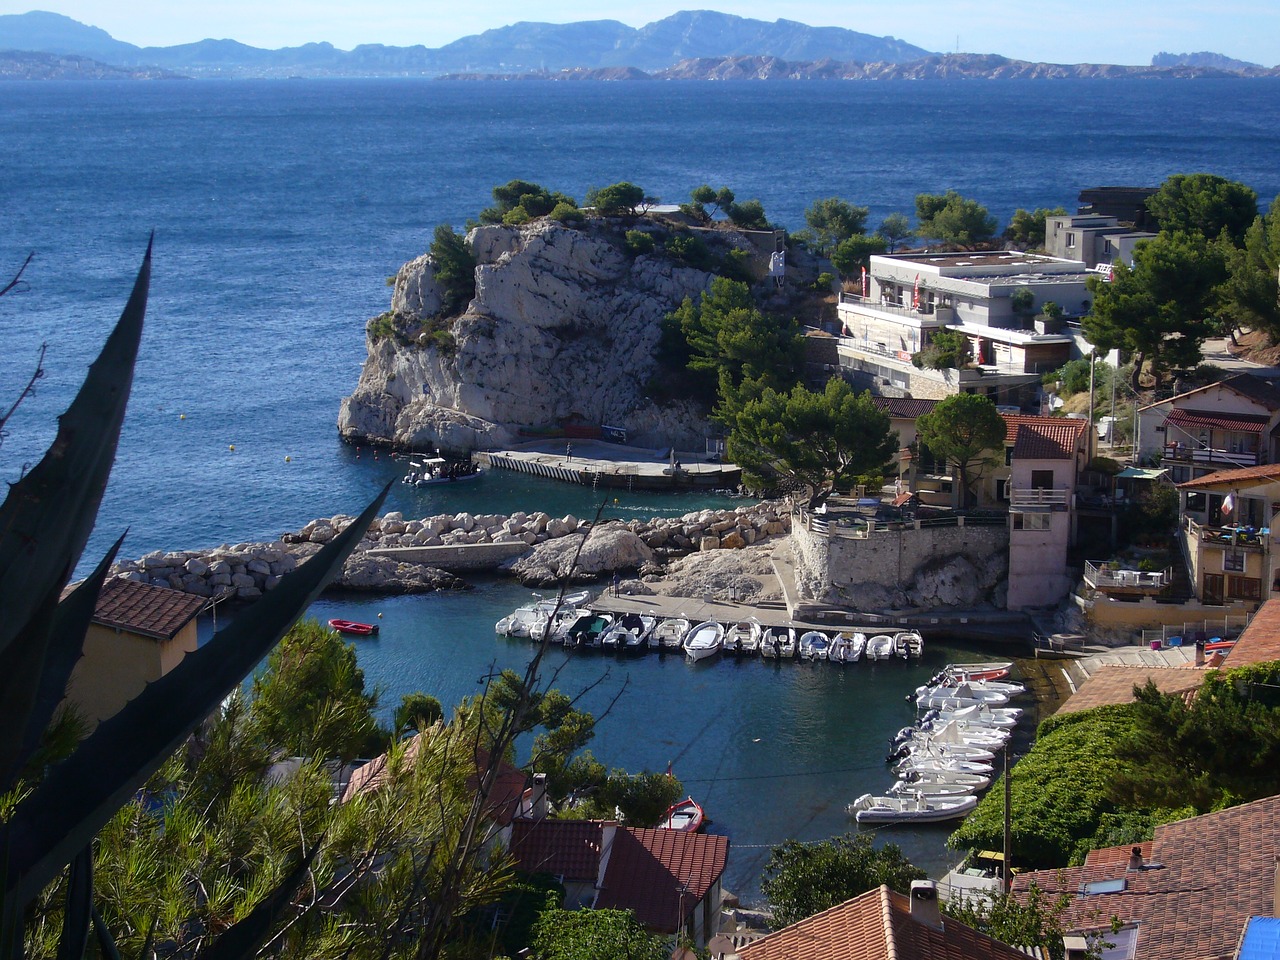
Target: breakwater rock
389 557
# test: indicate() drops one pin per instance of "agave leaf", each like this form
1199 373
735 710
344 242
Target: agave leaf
32 688
76 918
48 515
81 793
242 939
106 943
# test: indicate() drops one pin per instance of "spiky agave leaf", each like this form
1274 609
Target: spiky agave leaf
35 670
78 915
48 515
81 793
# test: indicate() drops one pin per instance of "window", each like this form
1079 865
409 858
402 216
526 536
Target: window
1002 490
1008 456
1233 561
1244 588
1071 241
1032 521
1042 479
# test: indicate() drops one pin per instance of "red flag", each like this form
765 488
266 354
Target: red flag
865 291
915 294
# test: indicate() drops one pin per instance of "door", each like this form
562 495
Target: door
1212 588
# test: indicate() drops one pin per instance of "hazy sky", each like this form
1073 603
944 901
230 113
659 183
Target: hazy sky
1062 31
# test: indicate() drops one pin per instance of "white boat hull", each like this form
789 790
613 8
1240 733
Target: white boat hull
869 809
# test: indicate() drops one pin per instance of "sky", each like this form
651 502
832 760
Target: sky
1057 31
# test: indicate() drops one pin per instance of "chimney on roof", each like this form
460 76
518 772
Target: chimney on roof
540 809
1135 858
924 903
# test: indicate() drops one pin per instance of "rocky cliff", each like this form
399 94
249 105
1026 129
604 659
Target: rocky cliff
564 326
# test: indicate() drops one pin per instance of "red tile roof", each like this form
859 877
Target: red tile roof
563 848
1237 476
1260 642
141 608
1248 422
875 926
649 868
1043 438
1203 879
1114 684
906 408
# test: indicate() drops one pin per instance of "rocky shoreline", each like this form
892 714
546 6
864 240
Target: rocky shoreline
244 571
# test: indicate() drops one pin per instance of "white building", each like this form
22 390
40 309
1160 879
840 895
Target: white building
912 296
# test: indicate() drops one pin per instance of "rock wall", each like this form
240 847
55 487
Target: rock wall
940 566
565 322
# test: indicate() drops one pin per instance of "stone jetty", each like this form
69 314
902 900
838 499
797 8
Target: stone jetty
390 558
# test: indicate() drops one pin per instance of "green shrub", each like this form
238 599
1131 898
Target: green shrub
455 269
567 213
736 265
381 327
689 249
824 282
947 349
638 242
749 215
516 216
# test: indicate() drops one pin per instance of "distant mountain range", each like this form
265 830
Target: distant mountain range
519 48
697 44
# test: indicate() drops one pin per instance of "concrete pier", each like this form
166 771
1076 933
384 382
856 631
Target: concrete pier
613 465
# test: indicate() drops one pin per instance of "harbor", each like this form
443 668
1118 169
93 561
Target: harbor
599 463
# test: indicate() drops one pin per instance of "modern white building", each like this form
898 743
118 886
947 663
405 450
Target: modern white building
909 297
1093 238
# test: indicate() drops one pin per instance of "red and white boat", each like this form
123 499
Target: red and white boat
354 628
998 670
686 815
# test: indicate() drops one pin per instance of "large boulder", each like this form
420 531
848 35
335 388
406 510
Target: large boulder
368 574
608 548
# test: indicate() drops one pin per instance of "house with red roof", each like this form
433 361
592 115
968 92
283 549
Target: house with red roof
669 878
139 632
1227 536
880 924
1187 894
1224 425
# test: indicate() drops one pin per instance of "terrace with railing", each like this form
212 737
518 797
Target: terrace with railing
928 312
1106 578
1039 499
1244 537
1209 456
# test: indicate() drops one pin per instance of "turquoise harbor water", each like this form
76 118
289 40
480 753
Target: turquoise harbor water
281 207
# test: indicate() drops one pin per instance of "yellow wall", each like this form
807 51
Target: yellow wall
117 665
1147 613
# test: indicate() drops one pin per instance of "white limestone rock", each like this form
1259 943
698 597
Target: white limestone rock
608 548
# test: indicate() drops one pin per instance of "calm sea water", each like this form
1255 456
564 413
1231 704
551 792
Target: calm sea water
281 207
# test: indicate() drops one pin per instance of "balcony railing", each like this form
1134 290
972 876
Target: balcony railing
1100 576
927 311
1038 498
1186 453
1246 538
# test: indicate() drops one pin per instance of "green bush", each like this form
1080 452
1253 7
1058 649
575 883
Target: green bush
690 249
947 350
455 269
516 216
749 215
567 213
638 242
736 265
381 327
824 282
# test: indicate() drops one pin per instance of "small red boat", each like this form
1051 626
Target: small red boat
354 628
979 671
1217 643
686 815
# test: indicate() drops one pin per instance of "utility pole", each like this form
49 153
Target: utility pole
1008 825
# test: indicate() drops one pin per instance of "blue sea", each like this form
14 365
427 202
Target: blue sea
281 207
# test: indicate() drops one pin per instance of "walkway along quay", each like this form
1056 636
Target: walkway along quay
598 462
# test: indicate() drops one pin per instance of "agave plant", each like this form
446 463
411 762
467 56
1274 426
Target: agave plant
52 816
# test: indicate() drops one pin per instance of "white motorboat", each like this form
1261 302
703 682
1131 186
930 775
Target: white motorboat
778 643
955 731
880 647
975 780
521 622
992 670
964 695
554 628
669 634
908 643
922 763
704 640
743 636
1008 688
586 632
841 651
630 633
432 470
858 646
911 788
814 645
984 715
926 746
869 809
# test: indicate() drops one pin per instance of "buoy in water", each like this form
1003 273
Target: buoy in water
182 416
232 448
379 616
288 459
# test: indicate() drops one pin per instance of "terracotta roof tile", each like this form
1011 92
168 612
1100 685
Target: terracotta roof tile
1203 879
648 869
1260 642
1114 684
907 408
1043 438
156 612
1248 422
563 848
1262 472
874 926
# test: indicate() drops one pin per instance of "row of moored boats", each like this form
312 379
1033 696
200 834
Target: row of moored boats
947 757
570 623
